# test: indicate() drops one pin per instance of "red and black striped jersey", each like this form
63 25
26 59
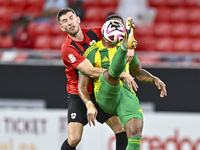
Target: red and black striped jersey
72 56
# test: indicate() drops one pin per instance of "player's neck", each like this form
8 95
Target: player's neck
108 45
78 37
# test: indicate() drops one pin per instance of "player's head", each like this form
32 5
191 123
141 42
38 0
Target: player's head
115 17
69 21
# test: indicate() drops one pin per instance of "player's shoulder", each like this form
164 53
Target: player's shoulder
92 49
94 29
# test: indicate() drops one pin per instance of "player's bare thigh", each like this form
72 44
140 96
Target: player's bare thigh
111 80
115 124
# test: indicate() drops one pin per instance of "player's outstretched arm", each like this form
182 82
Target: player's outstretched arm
144 76
87 68
84 95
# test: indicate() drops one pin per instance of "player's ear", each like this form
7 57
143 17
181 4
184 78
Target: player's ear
79 20
62 28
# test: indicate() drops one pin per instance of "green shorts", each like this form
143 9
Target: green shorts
117 100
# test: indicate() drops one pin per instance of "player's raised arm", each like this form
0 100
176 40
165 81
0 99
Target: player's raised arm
84 94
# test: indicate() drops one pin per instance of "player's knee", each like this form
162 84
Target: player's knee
74 140
137 131
134 127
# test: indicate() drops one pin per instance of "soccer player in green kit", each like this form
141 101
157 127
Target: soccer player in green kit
113 95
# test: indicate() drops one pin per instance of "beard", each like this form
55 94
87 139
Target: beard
73 32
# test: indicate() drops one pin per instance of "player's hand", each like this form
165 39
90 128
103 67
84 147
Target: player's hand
161 86
129 55
129 80
91 113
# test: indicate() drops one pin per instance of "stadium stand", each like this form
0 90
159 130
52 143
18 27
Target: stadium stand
175 28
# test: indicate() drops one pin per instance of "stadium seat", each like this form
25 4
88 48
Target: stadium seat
33 12
145 30
175 3
163 15
182 45
162 29
180 29
42 29
56 42
157 3
4 3
192 3
195 47
43 43
146 44
178 15
164 44
194 31
6 41
55 30
93 14
107 11
90 3
112 3
18 8
87 24
193 15
5 19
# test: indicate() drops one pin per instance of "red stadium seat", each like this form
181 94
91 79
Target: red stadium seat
93 14
56 42
107 11
163 15
42 29
180 30
18 8
178 15
43 43
33 12
195 47
182 45
90 3
193 15
6 41
157 3
144 30
4 3
162 29
55 30
146 44
194 31
112 3
192 3
5 19
176 3
164 44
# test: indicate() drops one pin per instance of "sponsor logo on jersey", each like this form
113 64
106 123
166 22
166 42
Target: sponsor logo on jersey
73 115
72 58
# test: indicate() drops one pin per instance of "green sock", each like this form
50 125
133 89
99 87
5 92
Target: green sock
118 63
134 143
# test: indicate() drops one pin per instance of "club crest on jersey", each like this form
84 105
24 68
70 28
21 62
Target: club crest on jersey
72 58
92 42
73 115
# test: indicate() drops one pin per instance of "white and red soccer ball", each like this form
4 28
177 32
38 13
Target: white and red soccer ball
113 31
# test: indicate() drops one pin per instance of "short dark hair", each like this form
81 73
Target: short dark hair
63 11
114 16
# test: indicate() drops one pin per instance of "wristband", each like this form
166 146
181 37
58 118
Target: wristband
89 104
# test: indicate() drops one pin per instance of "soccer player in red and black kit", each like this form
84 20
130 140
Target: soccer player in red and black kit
74 45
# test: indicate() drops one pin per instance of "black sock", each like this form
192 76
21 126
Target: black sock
66 146
121 141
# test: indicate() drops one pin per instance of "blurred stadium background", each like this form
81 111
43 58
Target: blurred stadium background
33 99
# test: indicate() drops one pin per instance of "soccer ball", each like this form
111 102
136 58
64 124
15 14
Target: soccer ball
113 31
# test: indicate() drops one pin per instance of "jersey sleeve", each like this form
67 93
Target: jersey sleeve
134 61
72 56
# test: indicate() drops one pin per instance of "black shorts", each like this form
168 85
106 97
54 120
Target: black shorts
77 111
